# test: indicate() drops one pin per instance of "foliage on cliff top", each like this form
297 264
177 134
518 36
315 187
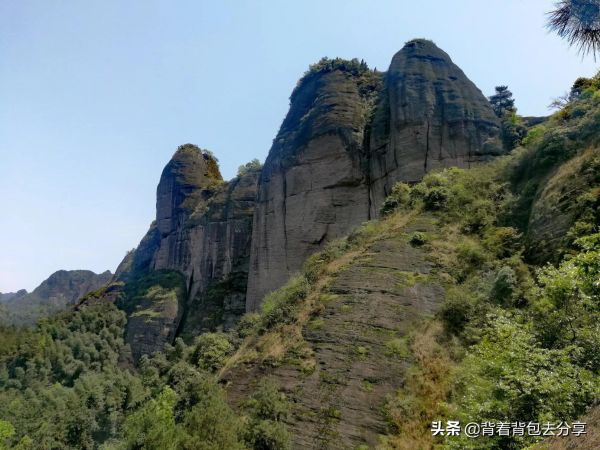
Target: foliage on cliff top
369 80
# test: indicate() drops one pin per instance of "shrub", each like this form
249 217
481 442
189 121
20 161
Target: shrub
279 306
436 198
251 166
247 324
399 197
417 239
267 408
211 351
456 312
505 286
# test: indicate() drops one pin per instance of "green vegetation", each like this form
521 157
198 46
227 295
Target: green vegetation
515 339
513 130
369 80
251 166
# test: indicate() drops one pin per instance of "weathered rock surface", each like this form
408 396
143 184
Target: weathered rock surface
61 289
336 158
349 135
202 231
430 116
375 302
313 187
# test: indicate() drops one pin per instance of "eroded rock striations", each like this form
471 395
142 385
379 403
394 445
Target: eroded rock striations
189 273
313 186
430 116
338 155
216 248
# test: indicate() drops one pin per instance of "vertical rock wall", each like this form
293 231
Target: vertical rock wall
430 116
313 186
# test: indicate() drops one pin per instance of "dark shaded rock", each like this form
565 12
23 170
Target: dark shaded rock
313 187
202 232
429 116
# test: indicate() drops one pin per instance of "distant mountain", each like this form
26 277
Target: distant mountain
61 289
8 296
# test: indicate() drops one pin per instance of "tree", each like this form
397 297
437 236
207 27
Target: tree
578 21
153 425
502 101
6 431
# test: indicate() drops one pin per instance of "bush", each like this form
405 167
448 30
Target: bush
436 198
248 324
417 239
251 166
456 312
267 409
279 306
211 351
504 288
399 198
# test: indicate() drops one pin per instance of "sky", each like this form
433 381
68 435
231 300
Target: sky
96 96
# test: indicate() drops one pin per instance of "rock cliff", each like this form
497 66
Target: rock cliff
429 116
202 233
313 186
350 134
339 152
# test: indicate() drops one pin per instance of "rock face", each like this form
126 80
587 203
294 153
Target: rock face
337 155
430 116
61 289
340 403
202 232
350 134
313 186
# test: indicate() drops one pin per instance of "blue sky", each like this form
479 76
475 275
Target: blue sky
95 96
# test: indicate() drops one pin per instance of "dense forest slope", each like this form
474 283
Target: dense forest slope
442 307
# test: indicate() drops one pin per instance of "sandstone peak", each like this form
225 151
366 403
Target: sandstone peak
186 180
424 48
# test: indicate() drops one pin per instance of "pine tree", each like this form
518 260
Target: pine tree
578 21
502 101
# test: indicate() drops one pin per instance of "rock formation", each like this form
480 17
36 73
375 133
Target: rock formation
337 156
216 248
313 186
430 116
202 232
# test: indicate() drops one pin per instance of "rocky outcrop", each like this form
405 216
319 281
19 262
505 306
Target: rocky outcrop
429 116
61 289
202 231
337 156
313 187
357 352
350 134
7 296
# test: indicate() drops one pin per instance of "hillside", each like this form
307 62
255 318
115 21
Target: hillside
390 265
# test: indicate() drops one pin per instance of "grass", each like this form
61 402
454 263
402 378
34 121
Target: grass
426 390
